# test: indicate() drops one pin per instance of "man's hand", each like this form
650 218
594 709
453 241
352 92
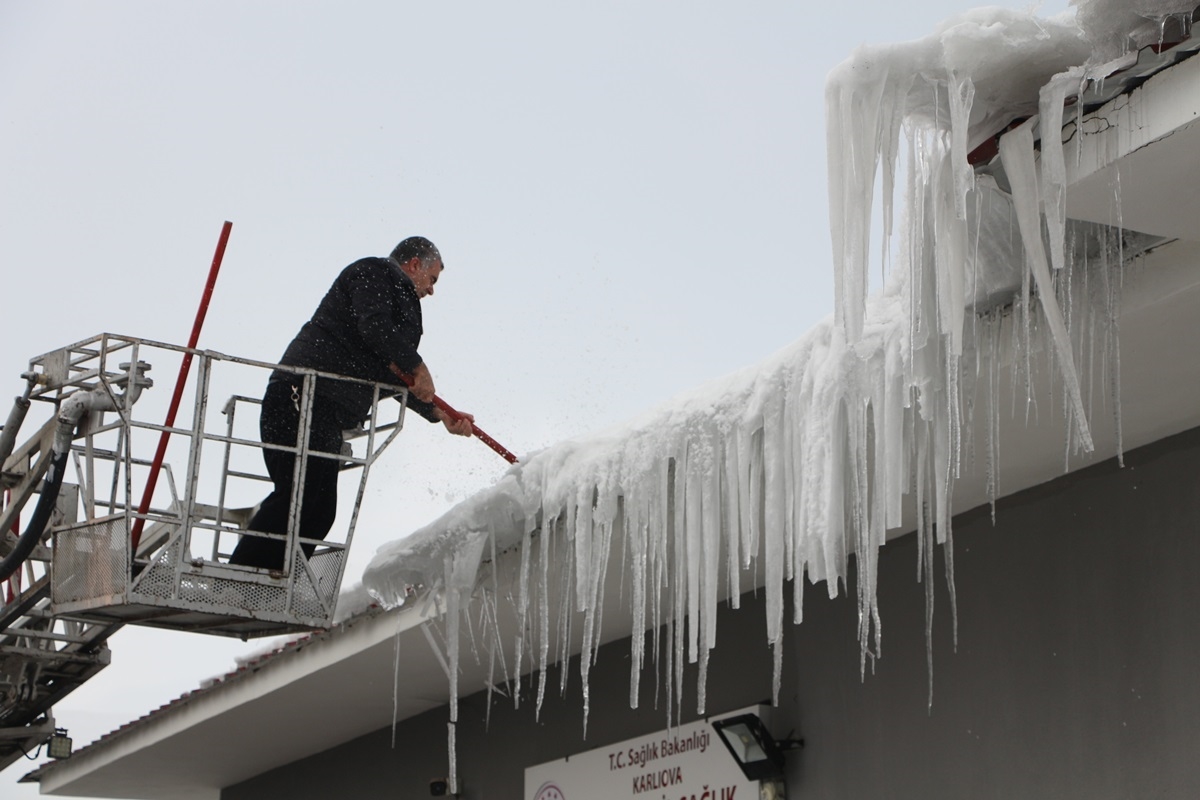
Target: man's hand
459 427
420 382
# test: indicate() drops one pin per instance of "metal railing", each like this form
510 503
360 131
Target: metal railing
177 574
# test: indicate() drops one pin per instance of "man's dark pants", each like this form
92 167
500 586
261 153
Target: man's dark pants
278 424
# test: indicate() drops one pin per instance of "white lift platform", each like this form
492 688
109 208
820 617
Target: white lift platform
128 542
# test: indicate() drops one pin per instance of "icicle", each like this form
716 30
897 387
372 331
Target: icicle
1113 343
968 385
702 682
678 591
523 623
595 617
579 514
638 557
994 332
568 580
1054 170
428 632
495 651
662 579
864 108
948 554
1114 371
543 612
453 613
1016 151
799 542
453 616
396 680
925 547
866 551
692 536
466 614
1090 335
710 513
890 439
729 494
591 547
777 668
792 553
452 748
962 95
749 457
943 471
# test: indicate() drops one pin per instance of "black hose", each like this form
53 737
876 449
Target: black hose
41 516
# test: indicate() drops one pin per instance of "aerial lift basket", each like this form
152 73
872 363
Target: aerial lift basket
162 560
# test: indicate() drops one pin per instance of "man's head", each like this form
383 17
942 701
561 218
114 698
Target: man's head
420 260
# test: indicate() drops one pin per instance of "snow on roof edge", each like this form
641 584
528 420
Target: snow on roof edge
809 460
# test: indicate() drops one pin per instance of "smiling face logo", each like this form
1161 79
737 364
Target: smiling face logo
549 791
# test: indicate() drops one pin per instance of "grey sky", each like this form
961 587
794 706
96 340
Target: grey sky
629 196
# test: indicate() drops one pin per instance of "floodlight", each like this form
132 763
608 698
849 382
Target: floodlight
60 744
752 746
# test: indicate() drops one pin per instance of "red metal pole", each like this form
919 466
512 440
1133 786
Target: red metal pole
184 368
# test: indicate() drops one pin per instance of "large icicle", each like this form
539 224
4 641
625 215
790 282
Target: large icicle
1016 150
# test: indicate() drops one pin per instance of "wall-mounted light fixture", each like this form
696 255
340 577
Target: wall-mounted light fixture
60 744
440 787
753 747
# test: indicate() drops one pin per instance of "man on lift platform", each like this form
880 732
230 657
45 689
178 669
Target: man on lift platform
368 326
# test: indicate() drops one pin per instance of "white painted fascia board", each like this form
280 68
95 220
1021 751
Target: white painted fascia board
1165 103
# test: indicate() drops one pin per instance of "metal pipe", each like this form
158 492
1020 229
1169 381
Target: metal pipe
161 452
8 436
76 406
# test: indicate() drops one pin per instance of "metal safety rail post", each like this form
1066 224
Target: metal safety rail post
177 575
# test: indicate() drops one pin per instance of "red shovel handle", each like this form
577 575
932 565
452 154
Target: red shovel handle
475 429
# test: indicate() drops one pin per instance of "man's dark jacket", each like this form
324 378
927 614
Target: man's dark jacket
369 318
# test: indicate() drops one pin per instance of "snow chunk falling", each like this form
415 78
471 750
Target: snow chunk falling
861 427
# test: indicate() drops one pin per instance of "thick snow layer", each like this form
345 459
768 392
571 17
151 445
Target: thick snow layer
792 466
1115 27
